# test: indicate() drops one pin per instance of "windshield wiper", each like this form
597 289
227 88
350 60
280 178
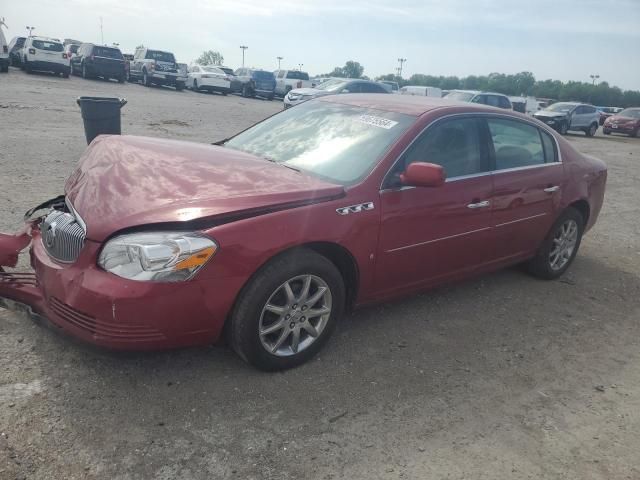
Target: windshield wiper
281 163
221 142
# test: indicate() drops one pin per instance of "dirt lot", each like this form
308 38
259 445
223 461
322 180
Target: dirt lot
503 377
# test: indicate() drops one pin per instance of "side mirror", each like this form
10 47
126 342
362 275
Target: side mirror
422 174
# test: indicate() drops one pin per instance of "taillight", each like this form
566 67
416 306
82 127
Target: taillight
32 51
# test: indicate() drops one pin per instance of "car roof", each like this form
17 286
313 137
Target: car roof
48 39
477 92
407 104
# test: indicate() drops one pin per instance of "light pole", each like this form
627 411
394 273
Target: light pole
594 78
401 62
243 47
30 29
279 60
300 66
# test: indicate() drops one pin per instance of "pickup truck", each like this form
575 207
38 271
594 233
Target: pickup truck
156 67
287 80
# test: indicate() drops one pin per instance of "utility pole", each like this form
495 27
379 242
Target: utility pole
279 60
300 65
401 61
101 33
594 78
30 29
243 47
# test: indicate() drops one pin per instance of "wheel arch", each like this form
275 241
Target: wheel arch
337 254
584 208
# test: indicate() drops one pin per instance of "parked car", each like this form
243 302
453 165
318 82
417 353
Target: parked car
565 116
332 87
156 67
627 121
93 61
606 112
251 82
15 51
392 87
45 54
71 49
421 91
4 51
485 98
287 80
209 78
270 236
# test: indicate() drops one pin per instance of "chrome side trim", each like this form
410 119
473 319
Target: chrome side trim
535 123
521 220
437 240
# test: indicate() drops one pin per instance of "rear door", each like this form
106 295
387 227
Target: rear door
430 234
578 119
528 181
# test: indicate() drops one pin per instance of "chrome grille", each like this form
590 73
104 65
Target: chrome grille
62 236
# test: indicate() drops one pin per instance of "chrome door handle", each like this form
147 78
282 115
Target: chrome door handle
483 204
552 189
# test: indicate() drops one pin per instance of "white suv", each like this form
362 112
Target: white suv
46 55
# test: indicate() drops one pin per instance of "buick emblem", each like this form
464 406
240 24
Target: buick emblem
50 235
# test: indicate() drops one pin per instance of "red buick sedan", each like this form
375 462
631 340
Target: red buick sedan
271 235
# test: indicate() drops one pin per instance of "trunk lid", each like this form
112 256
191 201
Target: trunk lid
126 181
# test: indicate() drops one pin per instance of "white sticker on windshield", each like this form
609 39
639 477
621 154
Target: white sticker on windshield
377 121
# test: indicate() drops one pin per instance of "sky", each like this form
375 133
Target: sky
557 39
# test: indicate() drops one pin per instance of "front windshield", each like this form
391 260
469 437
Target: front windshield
561 107
331 85
630 112
160 56
460 96
340 143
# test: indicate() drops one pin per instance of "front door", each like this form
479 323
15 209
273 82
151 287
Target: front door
528 183
429 234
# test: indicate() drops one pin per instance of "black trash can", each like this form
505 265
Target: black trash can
101 115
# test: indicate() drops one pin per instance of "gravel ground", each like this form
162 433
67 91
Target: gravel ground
501 377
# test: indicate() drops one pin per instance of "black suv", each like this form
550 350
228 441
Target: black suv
98 61
251 82
14 51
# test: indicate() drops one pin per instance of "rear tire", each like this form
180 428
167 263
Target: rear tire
606 132
552 258
121 79
27 67
85 74
195 85
279 349
246 91
591 131
66 73
179 86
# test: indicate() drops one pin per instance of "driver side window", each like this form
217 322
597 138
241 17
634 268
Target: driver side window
453 144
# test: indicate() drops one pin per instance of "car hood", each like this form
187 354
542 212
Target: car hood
126 181
549 113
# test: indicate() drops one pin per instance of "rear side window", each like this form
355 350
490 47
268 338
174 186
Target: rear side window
373 88
516 144
107 52
550 150
503 102
454 144
47 46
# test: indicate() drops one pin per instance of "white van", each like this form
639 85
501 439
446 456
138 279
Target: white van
421 91
4 50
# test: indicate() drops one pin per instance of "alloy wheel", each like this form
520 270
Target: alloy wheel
564 244
295 315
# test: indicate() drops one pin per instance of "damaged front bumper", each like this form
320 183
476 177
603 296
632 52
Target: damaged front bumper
104 309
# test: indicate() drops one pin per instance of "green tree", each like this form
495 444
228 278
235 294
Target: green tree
353 69
210 57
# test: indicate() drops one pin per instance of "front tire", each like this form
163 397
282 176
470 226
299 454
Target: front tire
246 91
287 311
564 128
560 246
179 86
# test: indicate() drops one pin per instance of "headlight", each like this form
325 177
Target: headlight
157 256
